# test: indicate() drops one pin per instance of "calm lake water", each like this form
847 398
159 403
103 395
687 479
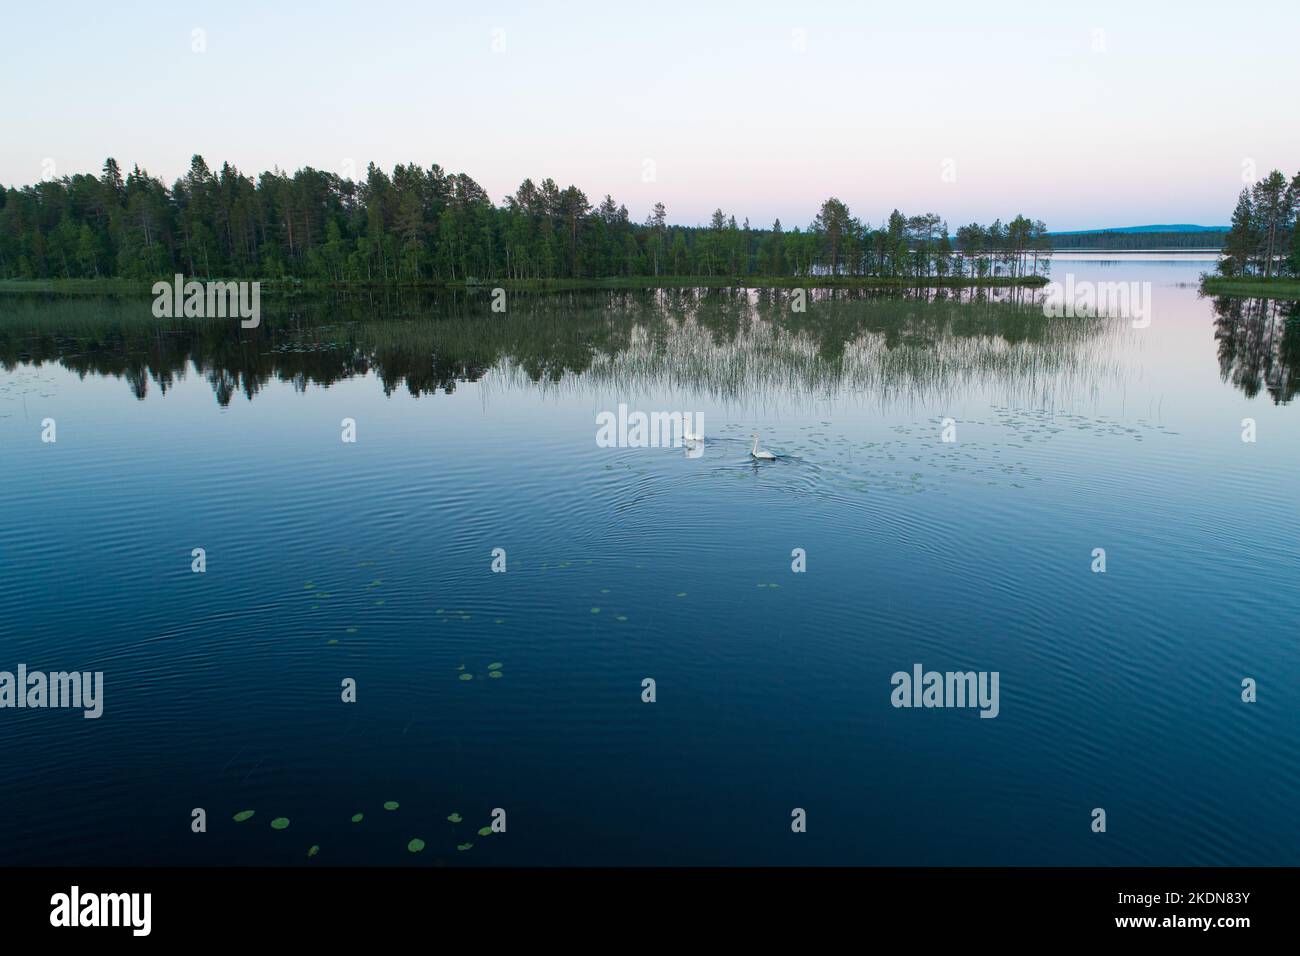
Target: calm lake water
371 560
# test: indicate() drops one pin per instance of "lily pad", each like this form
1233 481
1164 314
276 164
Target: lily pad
358 817
681 594
455 818
390 804
595 610
332 640
308 586
494 673
279 823
313 851
463 846
484 831
495 667
243 815
351 630
622 618
416 845
466 676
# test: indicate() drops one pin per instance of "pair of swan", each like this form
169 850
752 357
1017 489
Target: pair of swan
758 454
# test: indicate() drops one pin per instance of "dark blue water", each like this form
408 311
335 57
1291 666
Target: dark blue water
372 561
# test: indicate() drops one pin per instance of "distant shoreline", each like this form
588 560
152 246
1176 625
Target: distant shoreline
272 286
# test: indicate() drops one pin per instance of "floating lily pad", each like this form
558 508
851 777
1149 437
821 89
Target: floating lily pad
484 831
604 590
455 818
358 817
332 640
390 804
595 610
463 846
461 668
466 676
495 667
243 815
379 602
621 617
416 845
279 823
440 611
500 620
494 673
308 586
351 630
681 594
313 851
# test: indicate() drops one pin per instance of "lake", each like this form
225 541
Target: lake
372 561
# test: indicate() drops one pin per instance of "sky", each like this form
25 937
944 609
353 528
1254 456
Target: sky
1082 115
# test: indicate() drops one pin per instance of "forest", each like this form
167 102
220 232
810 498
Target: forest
1114 240
1264 238
428 226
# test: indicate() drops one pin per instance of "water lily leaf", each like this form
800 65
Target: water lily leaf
243 815
313 851
495 667
416 845
358 817
494 673
351 630
466 676
390 804
455 818
595 610
622 617
332 640
463 846
279 823
681 594
484 831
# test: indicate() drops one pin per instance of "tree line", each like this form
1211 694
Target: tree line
427 225
1264 238
1110 239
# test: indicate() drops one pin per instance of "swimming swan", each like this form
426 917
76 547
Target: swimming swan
760 454
690 436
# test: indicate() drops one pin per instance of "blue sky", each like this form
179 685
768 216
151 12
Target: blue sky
1082 114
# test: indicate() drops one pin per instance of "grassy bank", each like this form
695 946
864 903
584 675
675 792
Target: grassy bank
1284 288
290 286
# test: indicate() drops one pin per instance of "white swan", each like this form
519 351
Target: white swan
760 454
690 436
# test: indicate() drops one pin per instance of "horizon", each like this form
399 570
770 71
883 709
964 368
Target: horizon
714 116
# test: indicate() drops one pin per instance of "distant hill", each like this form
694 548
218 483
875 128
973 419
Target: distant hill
1180 227
1144 238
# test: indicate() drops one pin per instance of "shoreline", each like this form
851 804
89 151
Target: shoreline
1254 286
294 286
